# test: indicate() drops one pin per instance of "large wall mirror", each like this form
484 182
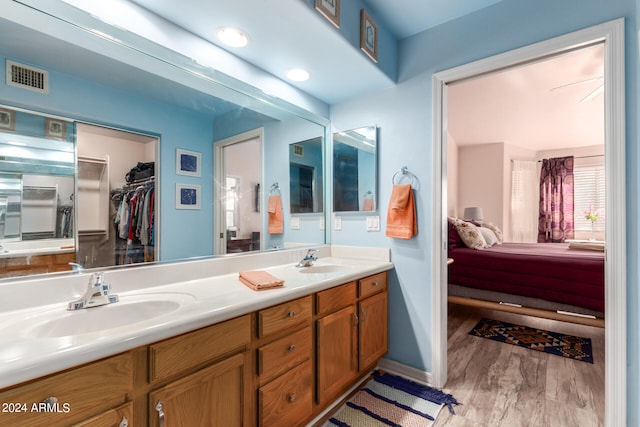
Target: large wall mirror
355 170
141 88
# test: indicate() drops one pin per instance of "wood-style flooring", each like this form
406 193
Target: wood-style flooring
499 384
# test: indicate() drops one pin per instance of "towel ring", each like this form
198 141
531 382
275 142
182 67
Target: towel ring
404 173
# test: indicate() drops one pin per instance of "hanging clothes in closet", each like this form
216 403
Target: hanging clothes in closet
135 220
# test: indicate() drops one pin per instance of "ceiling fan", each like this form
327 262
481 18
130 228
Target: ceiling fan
591 95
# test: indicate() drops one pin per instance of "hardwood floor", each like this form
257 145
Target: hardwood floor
499 384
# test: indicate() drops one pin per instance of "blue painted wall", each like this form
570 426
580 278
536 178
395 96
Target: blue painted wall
404 114
177 128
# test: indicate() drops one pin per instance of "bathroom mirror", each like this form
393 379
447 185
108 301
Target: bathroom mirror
126 82
37 183
355 173
305 176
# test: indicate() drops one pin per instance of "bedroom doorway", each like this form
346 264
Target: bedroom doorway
611 35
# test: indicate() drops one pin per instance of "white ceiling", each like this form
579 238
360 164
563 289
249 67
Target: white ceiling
537 106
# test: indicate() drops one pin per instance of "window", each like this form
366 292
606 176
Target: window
589 193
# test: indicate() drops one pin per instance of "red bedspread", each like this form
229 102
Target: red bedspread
549 271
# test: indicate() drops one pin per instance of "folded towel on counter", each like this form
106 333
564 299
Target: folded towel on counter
401 215
276 220
257 280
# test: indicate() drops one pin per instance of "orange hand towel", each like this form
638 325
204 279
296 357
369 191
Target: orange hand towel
367 205
257 280
274 208
401 215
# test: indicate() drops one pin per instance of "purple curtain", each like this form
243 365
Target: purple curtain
555 220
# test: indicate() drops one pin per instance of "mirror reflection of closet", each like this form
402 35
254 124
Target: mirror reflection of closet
355 174
109 234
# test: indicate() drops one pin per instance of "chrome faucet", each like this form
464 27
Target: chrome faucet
308 259
98 293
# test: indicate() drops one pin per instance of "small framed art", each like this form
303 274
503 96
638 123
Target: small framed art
55 128
7 119
368 36
330 9
188 162
187 196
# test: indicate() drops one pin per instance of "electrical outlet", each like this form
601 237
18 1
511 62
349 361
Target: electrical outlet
321 223
294 224
373 223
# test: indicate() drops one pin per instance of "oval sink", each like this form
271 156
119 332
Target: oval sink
328 268
129 310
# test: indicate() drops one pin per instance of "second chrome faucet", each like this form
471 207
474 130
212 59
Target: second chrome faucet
98 293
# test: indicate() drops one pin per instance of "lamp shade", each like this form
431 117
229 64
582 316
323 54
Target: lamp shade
473 214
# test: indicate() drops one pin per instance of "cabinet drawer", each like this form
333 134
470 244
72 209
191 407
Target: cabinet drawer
334 299
117 417
287 400
81 393
373 284
284 316
283 354
182 353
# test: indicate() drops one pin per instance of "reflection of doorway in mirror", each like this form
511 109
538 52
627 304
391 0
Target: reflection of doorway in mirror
238 171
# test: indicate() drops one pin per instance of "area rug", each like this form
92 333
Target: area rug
570 346
389 400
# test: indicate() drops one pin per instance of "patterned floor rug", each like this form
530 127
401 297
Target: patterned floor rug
388 400
570 346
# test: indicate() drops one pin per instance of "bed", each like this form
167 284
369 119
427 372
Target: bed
544 276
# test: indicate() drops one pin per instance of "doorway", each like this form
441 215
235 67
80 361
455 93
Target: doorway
238 223
612 35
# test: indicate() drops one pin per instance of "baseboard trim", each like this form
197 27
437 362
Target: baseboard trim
406 371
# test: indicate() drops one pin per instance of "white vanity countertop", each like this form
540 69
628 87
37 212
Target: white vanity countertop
30 350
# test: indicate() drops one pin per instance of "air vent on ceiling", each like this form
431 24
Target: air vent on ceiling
298 150
27 77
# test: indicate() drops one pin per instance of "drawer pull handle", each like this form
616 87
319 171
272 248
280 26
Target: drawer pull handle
364 314
50 400
124 422
292 347
355 316
160 408
292 398
292 313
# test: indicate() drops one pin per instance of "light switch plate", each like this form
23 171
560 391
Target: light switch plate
337 223
321 223
373 223
295 223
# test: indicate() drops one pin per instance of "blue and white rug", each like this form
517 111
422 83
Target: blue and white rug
389 400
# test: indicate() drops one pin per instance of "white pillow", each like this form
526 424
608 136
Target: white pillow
495 230
469 234
489 236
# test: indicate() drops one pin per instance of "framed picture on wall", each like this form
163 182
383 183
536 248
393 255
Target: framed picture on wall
55 128
187 196
7 119
330 9
368 36
188 162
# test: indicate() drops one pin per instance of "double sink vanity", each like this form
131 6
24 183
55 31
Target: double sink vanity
188 342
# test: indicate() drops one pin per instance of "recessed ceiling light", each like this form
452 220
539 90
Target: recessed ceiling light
233 37
298 74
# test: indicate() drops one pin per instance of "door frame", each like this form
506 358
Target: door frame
612 35
219 218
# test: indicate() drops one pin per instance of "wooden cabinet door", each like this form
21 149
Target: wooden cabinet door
372 343
336 348
210 397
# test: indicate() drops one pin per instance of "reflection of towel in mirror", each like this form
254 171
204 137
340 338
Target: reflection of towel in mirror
274 208
257 280
367 205
401 215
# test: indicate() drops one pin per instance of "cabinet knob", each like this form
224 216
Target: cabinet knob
292 313
124 422
292 347
292 397
375 283
50 400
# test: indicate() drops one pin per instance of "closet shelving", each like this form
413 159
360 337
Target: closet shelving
93 196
